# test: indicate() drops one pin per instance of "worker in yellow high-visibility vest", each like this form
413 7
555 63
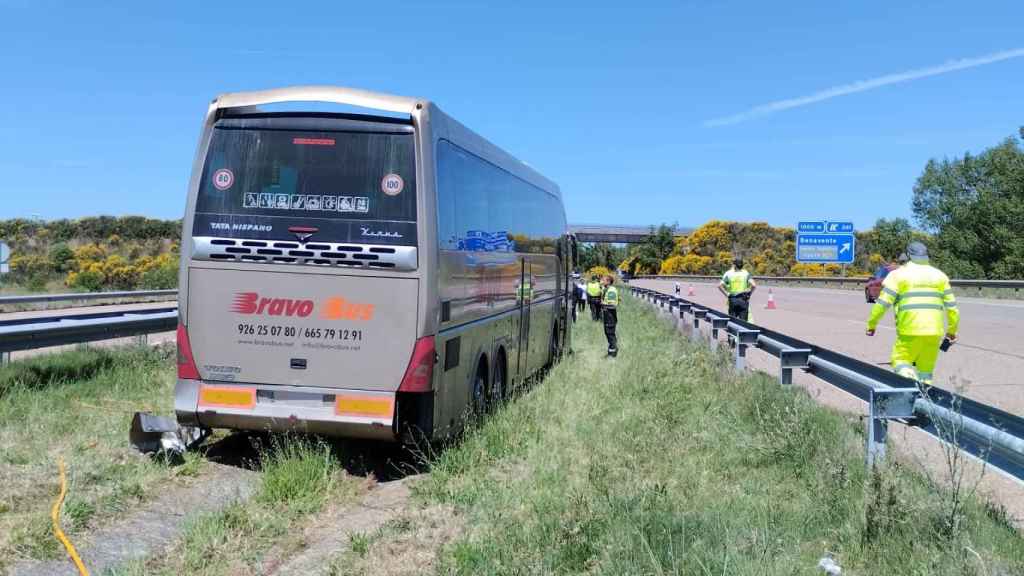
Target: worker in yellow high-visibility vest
925 311
594 297
737 285
609 310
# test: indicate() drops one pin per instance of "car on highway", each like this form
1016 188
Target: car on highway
874 286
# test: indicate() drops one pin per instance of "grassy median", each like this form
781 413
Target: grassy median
77 406
662 461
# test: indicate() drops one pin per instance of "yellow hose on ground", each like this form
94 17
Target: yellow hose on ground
55 516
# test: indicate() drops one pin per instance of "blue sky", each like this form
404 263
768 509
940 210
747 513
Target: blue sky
640 111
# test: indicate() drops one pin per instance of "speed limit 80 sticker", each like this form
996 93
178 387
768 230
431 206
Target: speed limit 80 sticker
223 179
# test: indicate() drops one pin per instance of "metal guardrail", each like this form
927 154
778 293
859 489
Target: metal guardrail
82 296
32 333
995 436
1015 285
47 320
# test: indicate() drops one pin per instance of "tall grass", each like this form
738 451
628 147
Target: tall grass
78 406
663 462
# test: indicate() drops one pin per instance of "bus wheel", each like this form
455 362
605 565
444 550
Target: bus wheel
556 347
480 389
498 391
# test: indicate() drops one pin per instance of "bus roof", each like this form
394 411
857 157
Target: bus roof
388 103
333 94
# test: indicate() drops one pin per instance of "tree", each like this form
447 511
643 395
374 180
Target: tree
973 207
600 254
654 249
890 237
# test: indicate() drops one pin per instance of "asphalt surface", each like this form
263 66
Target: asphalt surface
986 364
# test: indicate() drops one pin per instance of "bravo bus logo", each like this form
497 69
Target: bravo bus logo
334 308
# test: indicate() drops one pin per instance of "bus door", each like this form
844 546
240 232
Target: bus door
523 298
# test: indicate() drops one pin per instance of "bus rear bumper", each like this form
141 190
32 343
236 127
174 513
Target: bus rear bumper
328 411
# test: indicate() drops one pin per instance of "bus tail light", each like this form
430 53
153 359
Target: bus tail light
186 363
419 374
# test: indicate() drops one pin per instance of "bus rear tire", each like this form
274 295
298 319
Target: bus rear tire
556 347
480 390
498 389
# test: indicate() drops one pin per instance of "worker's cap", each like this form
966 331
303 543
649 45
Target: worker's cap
902 258
917 252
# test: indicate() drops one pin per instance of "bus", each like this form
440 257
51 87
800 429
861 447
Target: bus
378 274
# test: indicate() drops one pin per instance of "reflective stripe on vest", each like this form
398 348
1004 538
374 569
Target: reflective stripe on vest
920 294
611 297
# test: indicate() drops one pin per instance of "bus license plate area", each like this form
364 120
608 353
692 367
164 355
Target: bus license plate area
227 397
320 404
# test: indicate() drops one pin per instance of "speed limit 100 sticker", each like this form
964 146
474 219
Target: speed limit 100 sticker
223 179
392 184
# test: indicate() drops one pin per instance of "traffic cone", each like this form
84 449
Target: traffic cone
771 301
690 291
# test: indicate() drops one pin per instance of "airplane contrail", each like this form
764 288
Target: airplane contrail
863 86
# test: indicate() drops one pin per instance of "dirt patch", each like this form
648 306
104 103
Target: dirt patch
343 537
406 546
152 527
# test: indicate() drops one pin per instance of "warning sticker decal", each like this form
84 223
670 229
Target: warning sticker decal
306 202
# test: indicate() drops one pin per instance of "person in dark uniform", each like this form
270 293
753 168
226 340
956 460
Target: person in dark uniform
609 310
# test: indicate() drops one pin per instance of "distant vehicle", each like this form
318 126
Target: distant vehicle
874 285
387 310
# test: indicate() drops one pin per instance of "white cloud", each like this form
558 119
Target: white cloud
863 86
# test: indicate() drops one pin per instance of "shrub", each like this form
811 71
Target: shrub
90 279
62 258
31 271
160 273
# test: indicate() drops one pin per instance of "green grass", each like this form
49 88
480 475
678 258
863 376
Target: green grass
663 462
299 475
77 406
57 369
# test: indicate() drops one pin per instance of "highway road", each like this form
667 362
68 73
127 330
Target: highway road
987 364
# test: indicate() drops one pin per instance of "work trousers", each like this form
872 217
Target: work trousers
611 318
581 300
914 357
739 307
595 307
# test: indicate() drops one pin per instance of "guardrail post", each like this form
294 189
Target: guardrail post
698 314
790 358
141 339
717 323
883 405
744 338
878 429
684 307
5 358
